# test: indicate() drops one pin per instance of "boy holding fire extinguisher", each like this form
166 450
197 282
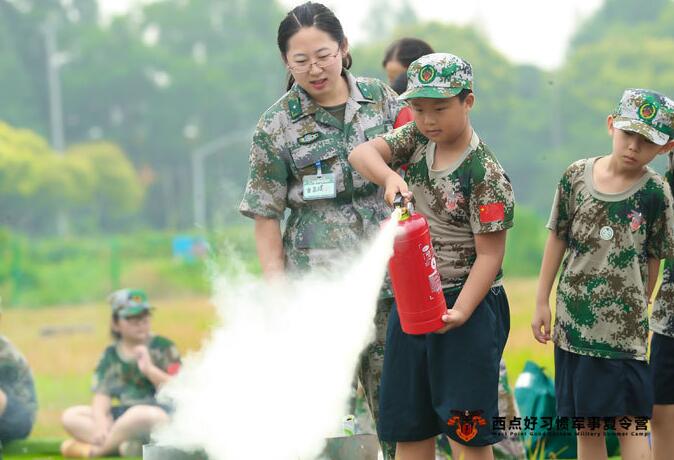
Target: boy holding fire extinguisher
446 382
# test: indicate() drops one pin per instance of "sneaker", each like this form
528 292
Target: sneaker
131 448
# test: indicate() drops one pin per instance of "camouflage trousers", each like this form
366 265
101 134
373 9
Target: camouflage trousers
369 374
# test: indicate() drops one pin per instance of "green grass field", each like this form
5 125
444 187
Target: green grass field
63 345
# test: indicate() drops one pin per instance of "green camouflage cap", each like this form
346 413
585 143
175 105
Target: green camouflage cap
438 75
129 302
647 113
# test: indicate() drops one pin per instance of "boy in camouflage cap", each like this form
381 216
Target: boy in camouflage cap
18 403
463 191
662 355
124 408
612 219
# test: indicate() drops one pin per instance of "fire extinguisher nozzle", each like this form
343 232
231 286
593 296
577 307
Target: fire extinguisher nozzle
400 212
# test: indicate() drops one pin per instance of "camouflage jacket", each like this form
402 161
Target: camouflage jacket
470 197
16 379
291 137
601 295
124 382
662 318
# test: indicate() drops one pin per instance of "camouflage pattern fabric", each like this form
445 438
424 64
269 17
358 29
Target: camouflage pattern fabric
438 75
646 112
370 369
292 136
124 382
471 197
512 447
601 296
662 317
16 379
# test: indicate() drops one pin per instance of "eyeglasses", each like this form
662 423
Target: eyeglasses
138 319
321 61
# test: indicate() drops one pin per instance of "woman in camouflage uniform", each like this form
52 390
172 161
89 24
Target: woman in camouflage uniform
298 161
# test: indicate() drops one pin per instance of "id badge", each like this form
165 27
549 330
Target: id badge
319 187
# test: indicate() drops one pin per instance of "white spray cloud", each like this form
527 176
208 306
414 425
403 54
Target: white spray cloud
274 380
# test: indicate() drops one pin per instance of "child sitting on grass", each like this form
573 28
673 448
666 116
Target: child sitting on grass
124 409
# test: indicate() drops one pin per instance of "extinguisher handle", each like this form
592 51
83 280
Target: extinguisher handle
398 200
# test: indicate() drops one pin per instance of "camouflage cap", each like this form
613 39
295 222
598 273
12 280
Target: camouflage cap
647 113
438 75
129 302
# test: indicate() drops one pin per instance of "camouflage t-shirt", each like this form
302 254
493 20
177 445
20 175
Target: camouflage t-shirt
601 296
295 135
16 379
662 318
472 196
124 382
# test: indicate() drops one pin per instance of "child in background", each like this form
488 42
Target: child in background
18 404
398 57
446 382
612 218
124 409
662 355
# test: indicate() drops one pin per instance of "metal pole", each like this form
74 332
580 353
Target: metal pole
54 86
198 180
55 107
198 190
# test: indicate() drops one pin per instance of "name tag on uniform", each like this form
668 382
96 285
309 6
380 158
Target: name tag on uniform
319 187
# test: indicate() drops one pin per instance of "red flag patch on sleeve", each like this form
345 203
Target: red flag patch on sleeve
173 368
492 212
404 117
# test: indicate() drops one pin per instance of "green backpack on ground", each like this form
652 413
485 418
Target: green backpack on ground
535 395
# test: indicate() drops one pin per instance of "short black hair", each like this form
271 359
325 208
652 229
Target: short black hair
115 319
464 94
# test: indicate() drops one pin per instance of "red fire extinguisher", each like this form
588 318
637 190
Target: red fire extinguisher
414 275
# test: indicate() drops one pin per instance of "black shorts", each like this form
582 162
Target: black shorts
118 411
586 386
445 383
662 368
16 422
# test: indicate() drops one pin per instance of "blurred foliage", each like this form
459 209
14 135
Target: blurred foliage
159 82
93 182
41 271
172 76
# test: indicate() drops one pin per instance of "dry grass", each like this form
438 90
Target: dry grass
63 345
63 361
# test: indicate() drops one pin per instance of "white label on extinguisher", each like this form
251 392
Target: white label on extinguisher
435 281
428 256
